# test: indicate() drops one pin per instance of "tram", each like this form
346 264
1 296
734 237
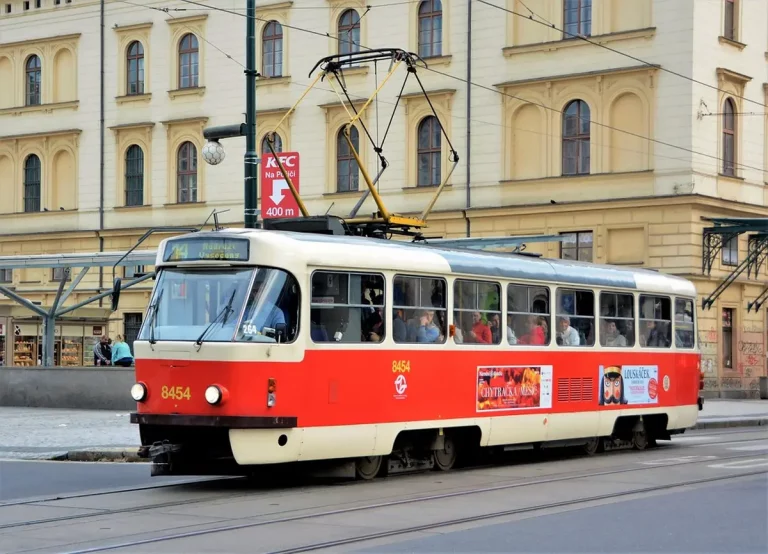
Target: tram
263 347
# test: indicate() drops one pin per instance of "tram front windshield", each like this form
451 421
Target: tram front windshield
206 306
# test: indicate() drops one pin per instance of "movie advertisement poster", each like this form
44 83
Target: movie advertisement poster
503 388
628 384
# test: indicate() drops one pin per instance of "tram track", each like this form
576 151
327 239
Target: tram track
290 516
501 513
551 478
554 477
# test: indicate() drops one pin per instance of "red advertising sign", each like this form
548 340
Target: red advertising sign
513 387
276 198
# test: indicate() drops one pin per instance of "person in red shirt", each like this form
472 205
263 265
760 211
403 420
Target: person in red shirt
536 334
480 332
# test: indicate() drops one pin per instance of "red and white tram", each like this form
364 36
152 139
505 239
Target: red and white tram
264 347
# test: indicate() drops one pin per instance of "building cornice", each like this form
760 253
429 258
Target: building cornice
46 40
42 134
574 76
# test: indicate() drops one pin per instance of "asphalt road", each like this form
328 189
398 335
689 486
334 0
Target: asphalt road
621 501
717 518
25 479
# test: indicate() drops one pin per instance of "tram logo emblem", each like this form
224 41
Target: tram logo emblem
400 385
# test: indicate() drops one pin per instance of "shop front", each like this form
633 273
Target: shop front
21 338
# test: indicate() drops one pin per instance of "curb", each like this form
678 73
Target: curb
125 455
735 422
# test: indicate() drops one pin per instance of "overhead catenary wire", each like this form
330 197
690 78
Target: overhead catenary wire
502 93
545 23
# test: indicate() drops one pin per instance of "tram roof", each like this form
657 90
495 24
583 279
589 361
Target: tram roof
404 256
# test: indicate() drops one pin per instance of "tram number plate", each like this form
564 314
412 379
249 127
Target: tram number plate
401 366
175 393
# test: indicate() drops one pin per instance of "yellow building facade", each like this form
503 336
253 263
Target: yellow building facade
623 143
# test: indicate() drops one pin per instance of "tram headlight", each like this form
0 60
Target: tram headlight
213 395
139 392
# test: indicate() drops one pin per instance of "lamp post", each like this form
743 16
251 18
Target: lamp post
213 152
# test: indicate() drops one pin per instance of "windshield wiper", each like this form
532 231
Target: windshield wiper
155 306
224 311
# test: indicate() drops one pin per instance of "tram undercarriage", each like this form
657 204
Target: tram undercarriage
196 450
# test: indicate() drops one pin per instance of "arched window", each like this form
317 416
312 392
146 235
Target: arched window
186 173
430 28
189 66
429 152
134 176
32 184
278 145
135 69
576 138
272 50
33 81
347 170
729 138
349 32
577 18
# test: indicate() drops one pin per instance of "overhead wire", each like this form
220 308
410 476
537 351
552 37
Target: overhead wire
471 83
506 94
545 23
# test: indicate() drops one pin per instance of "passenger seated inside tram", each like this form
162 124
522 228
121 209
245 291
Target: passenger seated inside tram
612 336
567 336
317 331
655 334
428 331
511 338
373 325
399 329
480 332
535 332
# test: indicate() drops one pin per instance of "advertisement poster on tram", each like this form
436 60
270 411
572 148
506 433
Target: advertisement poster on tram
502 388
628 384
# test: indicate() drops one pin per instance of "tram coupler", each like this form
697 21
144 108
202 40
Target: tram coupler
160 453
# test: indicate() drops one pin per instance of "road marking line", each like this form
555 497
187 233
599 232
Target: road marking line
742 464
677 460
751 447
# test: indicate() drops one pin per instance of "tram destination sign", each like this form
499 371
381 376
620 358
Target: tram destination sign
206 248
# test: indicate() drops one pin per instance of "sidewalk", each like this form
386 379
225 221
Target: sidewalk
719 413
45 433
92 435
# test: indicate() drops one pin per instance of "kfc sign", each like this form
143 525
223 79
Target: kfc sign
276 198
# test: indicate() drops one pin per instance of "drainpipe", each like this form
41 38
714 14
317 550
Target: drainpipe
101 149
469 113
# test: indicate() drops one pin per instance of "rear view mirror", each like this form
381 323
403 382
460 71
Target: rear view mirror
115 296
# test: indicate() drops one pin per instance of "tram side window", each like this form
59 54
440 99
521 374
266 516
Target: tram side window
617 320
347 307
575 317
655 322
272 311
684 330
527 315
419 310
477 312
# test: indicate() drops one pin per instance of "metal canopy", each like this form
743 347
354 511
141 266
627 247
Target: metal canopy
97 259
724 230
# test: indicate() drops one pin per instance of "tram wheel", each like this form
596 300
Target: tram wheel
446 457
640 439
593 446
368 467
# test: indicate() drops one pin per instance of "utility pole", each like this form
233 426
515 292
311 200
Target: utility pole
213 151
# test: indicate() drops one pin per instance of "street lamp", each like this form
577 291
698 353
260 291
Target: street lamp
213 152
